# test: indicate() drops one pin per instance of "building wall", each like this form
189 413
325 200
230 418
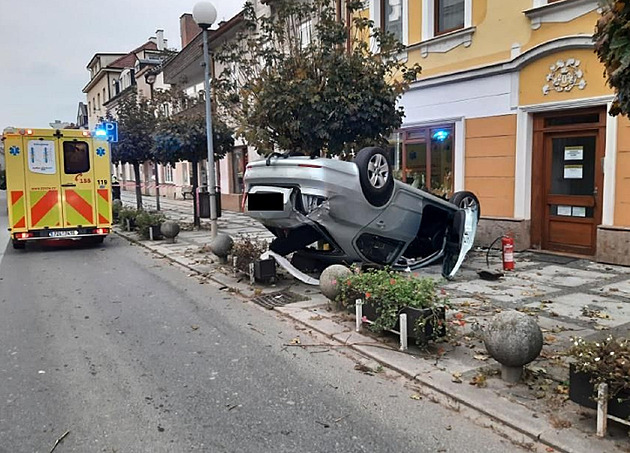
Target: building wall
490 160
622 189
533 78
94 115
501 27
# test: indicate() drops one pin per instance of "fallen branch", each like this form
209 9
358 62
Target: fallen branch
59 440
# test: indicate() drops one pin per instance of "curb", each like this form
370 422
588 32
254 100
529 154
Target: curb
518 424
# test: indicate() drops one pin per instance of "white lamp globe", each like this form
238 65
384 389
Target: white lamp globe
204 13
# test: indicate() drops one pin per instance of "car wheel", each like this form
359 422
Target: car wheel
375 175
466 200
19 245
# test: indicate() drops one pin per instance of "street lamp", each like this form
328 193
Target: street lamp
150 78
204 15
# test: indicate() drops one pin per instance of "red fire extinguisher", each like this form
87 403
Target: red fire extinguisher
507 248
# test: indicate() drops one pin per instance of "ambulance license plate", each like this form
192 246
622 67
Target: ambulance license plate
62 234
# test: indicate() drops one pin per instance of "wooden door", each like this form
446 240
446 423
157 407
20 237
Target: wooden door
568 181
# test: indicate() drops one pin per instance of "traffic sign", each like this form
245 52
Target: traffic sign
108 129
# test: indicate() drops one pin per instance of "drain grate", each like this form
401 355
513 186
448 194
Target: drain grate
278 299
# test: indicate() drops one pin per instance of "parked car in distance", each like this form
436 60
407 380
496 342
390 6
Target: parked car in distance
360 211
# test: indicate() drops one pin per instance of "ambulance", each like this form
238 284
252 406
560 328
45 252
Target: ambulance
58 185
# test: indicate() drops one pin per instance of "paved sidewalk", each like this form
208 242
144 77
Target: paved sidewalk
568 297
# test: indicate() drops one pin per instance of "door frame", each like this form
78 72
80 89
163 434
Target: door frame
541 133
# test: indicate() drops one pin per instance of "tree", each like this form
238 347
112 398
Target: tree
182 137
291 80
136 124
612 44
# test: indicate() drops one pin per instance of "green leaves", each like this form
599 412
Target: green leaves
389 292
306 95
182 136
612 44
136 123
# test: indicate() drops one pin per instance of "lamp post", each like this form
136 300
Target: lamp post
150 79
204 15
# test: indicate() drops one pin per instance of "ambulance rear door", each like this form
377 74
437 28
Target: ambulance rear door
43 194
76 170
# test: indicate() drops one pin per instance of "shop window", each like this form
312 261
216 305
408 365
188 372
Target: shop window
76 157
449 15
239 163
427 159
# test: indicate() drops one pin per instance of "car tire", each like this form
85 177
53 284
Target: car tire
465 199
19 245
375 175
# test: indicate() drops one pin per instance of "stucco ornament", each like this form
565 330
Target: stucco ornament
563 76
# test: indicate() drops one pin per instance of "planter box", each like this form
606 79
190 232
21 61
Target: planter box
129 224
584 393
434 326
155 232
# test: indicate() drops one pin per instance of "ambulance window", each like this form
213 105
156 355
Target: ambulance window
76 158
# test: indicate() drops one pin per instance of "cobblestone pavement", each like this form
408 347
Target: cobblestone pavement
567 296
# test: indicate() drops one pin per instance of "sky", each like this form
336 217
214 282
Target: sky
45 46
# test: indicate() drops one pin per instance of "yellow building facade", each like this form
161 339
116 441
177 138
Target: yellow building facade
512 105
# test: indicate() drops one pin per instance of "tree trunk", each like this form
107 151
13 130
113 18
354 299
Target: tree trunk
195 184
136 172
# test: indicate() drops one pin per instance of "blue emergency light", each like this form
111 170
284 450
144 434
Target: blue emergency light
107 130
440 135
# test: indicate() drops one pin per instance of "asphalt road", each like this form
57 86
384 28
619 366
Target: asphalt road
131 354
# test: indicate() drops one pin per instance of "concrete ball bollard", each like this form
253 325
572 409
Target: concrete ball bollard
221 246
169 230
513 339
330 277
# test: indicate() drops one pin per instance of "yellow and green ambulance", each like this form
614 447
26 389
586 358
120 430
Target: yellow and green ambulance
58 185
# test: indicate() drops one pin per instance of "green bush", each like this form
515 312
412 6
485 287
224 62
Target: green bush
127 214
117 207
388 292
146 219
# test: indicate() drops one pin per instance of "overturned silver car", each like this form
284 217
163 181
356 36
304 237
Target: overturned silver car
359 211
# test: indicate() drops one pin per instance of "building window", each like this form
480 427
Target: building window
305 33
89 106
392 17
104 98
98 101
168 173
186 173
449 15
427 158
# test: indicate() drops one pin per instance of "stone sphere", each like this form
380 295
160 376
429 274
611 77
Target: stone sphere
169 229
221 245
329 278
513 338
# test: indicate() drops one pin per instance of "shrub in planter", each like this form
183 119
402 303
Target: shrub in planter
596 362
246 251
117 206
387 294
146 220
128 214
